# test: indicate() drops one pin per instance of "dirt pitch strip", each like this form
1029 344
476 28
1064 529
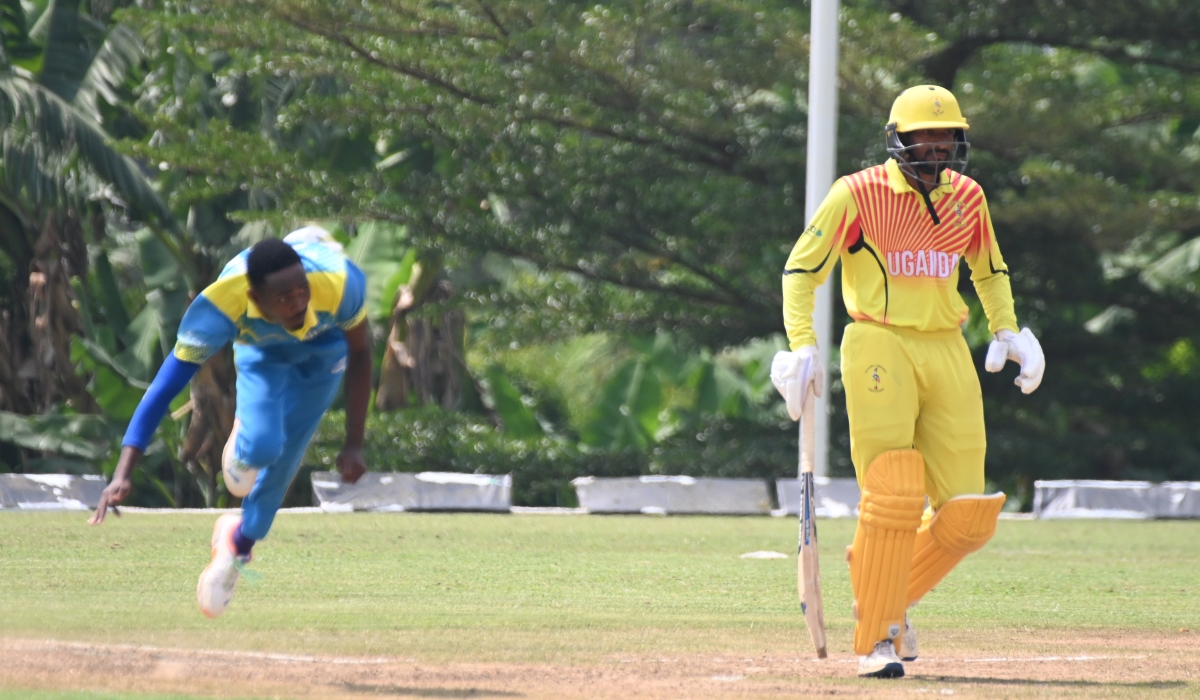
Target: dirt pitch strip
1037 665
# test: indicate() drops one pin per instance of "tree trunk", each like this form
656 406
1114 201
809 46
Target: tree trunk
395 372
436 344
60 254
213 406
423 357
15 238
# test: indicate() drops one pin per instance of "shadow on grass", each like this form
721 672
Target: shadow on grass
428 692
983 680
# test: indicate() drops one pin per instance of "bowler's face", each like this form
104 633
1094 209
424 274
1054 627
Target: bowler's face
284 296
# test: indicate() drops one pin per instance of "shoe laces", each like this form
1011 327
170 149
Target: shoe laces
252 577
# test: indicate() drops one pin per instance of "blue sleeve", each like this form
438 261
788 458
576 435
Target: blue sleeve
204 330
170 380
353 308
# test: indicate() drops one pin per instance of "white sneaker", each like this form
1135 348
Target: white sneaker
908 641
881 663
214 590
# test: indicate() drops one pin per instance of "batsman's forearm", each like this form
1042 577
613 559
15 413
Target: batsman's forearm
358 395
995 295
799 298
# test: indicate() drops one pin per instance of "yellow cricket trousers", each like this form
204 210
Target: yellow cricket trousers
915 389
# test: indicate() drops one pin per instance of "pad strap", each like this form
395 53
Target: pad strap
961 526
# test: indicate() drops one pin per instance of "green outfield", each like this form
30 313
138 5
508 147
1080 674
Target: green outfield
563 590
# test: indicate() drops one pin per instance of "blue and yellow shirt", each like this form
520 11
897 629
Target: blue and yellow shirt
224 311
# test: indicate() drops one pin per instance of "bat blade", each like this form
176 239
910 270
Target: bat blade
808 572
808 565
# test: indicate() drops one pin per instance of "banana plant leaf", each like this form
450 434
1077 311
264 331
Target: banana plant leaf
721 390
626 414
116 387
1178 269
116 316
381 252
519 420
85 436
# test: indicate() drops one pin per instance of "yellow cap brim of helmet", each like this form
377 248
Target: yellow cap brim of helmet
932 125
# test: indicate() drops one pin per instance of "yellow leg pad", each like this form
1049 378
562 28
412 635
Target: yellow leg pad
961 526
893 497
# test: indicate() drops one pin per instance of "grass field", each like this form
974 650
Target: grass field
565 594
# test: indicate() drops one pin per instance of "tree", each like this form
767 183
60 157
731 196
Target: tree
62 180
646 159
486 115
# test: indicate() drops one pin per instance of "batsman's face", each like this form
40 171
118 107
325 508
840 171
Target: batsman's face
930 146
284 296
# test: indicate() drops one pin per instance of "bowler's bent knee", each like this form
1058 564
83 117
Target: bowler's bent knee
258 448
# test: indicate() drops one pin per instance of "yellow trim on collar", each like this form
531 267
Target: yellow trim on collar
899 183
232 296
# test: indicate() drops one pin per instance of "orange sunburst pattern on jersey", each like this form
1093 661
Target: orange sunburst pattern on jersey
899 222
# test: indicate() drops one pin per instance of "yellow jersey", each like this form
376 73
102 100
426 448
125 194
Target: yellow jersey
898 267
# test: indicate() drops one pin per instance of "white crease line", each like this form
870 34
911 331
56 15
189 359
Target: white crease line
206 652
1005 659
270 656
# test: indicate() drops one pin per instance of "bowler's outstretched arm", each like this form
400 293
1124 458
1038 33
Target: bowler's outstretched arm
358 394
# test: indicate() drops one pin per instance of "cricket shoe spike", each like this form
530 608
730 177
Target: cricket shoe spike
882 662
908 641
214 590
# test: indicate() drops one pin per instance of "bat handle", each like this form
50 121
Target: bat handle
808 446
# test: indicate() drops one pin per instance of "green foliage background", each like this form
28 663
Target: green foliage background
613 188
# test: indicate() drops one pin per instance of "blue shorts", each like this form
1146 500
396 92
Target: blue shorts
282 392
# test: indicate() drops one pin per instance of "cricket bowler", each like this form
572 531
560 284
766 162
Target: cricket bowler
912 395
294 311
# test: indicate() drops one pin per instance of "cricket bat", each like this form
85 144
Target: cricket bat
808 570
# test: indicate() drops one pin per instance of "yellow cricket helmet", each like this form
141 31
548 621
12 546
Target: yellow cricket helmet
926 107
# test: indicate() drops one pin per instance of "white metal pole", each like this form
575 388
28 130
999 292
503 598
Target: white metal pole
822 165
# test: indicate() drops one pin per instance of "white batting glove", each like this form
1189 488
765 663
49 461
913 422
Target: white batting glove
1022 348
793 373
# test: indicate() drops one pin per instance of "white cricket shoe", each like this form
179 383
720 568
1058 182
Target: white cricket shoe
882 662
908 641
214 590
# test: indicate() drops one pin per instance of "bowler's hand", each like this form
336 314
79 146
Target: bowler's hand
113 494
118 488
350 464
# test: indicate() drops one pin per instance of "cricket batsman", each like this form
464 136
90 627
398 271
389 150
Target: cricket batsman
916 412
294 310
